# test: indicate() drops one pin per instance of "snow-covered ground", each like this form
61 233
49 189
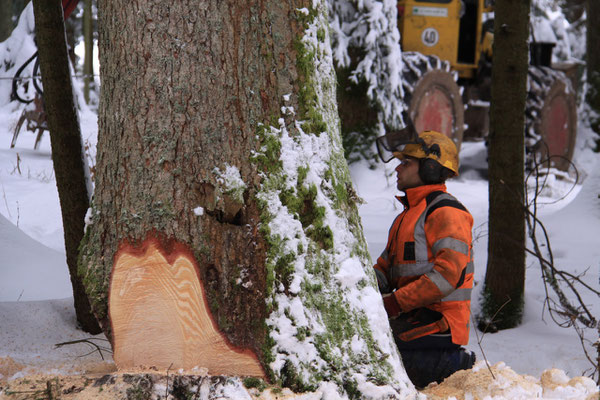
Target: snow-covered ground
36 308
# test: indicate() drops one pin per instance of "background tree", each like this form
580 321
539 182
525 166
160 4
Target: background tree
505 275
65 138
88 40
223 204
6 19
593 65
9 14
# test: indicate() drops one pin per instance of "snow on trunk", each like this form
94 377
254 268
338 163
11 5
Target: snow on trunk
326 323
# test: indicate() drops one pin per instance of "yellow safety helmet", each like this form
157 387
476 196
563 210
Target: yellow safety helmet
432 145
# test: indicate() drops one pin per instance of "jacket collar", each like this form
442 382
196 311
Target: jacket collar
414 196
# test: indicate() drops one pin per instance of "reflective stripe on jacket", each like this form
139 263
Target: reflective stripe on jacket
429 257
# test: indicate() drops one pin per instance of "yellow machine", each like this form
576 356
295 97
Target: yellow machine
450 30
443 40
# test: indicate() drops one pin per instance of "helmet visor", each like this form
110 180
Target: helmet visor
394 142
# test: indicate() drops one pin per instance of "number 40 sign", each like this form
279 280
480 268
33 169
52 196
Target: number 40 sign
430 37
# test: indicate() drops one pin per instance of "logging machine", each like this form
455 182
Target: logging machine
447 54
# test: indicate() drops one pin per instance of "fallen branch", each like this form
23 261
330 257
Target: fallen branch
90 342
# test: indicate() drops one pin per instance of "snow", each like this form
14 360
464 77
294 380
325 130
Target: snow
36 305
30 271
541 31
199 211
230 182
31 329
231 178
350 273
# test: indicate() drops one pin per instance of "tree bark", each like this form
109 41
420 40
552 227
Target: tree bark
222 189
505 275
88 60
65 138
593 65
6 23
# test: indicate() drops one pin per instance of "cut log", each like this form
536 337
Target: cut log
160 317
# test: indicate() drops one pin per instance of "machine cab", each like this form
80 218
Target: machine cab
448 29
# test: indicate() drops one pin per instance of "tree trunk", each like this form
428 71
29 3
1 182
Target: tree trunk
72 29
224 229
593 65
6 23
505 275
88 39
65 138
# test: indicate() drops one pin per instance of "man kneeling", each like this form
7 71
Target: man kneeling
425 273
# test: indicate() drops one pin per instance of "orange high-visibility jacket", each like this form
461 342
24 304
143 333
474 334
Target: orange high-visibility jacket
429 257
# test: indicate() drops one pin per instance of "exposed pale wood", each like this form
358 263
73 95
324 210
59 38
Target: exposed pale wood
160 317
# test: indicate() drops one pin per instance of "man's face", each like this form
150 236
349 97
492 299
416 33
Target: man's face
407 174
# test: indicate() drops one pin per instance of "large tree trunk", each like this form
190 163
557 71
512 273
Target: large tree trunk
593 64
505 275
224 232
65 138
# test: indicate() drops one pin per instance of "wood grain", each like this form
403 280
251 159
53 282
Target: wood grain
160 316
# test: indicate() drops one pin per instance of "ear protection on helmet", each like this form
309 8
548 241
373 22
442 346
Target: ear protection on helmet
432 172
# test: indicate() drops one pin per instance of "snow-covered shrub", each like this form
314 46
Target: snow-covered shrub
367 54
14 52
